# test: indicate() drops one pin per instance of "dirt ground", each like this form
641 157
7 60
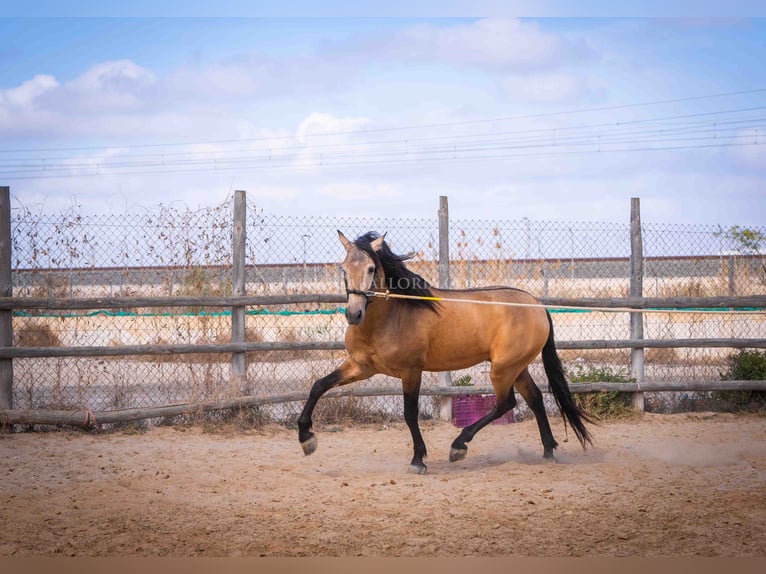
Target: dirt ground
656 485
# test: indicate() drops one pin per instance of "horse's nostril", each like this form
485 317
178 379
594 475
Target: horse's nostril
355 317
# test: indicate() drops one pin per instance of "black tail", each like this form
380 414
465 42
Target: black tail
557 384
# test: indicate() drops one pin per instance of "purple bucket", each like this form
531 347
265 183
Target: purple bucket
467 409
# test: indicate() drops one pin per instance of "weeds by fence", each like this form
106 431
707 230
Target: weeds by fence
174 251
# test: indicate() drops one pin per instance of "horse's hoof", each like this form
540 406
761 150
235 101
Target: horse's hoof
309 445
418 469
549 458
456 454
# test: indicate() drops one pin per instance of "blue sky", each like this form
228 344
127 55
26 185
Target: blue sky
543 117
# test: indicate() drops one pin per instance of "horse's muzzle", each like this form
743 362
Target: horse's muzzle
354 317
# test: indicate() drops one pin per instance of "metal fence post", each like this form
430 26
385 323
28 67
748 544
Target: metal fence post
445 377
636 290
6 290
239 239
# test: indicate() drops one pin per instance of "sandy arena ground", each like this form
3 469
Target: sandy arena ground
657 485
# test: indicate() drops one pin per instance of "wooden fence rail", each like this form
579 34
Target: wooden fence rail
263 346
99 303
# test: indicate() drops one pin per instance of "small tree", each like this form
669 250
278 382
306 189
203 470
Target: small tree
741 239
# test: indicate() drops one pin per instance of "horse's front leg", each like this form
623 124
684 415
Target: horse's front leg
348 372
411 388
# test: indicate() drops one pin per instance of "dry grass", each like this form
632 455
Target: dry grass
38 335
609 356
661 356
346 410
692 287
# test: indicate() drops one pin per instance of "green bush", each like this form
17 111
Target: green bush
602 404
464 381
745 365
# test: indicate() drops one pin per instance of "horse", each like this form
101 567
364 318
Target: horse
414 330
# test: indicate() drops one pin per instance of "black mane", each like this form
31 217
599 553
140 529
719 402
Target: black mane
399 279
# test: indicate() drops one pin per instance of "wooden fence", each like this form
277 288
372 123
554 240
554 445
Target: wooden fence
87 418
238 347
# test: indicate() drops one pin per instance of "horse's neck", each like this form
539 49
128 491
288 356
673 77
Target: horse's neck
386 314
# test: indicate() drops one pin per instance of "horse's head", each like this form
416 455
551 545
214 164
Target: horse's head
361 272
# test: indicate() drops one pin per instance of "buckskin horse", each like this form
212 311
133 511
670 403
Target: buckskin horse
414 330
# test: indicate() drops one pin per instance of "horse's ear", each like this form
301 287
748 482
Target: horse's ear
377 244
344 240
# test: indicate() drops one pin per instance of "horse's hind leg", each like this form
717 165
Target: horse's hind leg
534 398
505 401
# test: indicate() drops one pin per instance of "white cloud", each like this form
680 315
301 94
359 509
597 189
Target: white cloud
26 95
123 99
324 136
439 73
332 128
545 88
496 43
46 106
23 110
109 86
219 80
250 75
112 76
357 191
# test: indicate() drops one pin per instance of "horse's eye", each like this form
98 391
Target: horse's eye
371 269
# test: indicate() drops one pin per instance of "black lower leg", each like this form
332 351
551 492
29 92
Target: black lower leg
411 412
459 446
319 388
537 406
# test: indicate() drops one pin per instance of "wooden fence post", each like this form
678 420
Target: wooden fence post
6 290
445 377
239 240
636 290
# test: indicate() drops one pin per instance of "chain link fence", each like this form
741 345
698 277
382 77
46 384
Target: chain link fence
172 250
